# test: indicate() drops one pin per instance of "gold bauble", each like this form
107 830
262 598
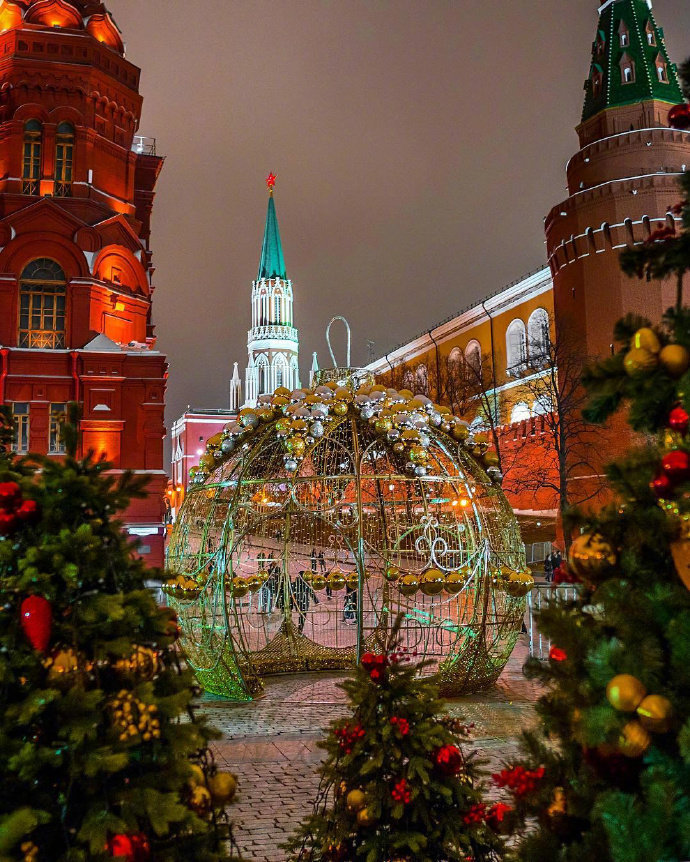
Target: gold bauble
308 577
460 431
206 462
410 434
591 556
340 408
634 740
263 576
197 777
345 394
253 583
408 585
625 692
383 424
296 445
222 786
680 551
280 400
282 392
299 425
392 574
365 818
266 414
240 587
355 800
63 662
352 580
639 361
200 799
454 582
336 580
399 447
247 417
655 713
215 440
646 339
318 582
432 581
407 394
491 458
675 359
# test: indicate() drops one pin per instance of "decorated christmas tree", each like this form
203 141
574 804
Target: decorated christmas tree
102 754
606 776
395 785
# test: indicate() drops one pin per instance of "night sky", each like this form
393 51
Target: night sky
418 146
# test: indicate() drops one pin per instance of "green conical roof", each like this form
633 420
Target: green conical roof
272 264
628 38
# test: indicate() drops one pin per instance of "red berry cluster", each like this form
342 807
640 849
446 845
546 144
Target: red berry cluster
14 509
519 780
493 816
375 665
557 654
400 793
348 735
400 655
133 848
449 759
402 724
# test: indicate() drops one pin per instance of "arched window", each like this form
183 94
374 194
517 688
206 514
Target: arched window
64 155
661 70
543 404
516 346
649 28
519 413
280 375
31 172
262 365
277 308
454 362
421 379
538 334
42 290
473 356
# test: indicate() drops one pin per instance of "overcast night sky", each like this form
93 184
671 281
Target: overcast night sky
418 146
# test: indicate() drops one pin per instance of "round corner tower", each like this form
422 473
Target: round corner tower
622 182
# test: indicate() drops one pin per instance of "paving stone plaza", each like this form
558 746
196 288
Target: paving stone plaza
271 744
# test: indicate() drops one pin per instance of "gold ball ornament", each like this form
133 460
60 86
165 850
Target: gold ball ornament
646 339
352 580
61 663
408 585
638 361
432 582
655 713
392 574
336 580
197 776
240 588
634 740
383 424
355 800
591 556
263 576
675 359
340 408
282 392
318 582
222 786
398 447
454 582
253 583
296 445
460 432
365 817
280 400
491 458
200 799
625 692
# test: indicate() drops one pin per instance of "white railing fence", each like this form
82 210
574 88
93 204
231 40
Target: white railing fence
541 594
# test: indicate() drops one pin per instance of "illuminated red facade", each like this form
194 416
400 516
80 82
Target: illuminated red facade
76 195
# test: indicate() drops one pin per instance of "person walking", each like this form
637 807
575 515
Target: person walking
302 595
548 568
350 606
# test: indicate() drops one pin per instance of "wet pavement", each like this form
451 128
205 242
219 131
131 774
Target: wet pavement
271 744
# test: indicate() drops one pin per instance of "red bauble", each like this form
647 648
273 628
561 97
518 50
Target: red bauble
557 654
29 511
679 420
676 465
37 619
10 493
8 523
132 848
679 117
448 759
661 486
368 660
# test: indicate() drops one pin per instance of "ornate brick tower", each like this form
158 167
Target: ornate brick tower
76 194
623 180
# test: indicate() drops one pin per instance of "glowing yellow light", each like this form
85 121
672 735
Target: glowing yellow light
464 502
454 503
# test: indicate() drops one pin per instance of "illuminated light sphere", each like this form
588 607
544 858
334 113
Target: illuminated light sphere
346 503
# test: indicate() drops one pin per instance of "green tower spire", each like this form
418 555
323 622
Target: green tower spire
630 62
272 264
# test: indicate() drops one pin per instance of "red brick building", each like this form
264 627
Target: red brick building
76 195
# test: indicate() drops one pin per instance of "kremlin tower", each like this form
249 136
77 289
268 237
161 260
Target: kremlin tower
272 342
273 348
76 196
622 182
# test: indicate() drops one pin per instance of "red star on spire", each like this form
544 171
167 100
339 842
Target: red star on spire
270 182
